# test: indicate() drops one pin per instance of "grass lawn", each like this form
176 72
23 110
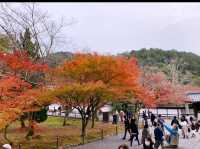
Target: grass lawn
48 131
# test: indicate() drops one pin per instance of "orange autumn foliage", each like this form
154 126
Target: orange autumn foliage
117 73
16 94
88 81
20 61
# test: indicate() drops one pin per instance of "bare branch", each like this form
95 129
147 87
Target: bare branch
44 31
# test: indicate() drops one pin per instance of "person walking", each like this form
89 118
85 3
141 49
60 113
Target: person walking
193 129
159 136
122 114
173 138
175 121
152 117
115 114
126 127
184 128
146 138
134 132
144 115
161 122
148 113
197 125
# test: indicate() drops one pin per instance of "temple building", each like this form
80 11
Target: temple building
194 103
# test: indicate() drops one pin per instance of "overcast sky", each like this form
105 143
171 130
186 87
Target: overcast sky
116 27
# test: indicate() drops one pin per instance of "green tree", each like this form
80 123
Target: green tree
28 45
4 43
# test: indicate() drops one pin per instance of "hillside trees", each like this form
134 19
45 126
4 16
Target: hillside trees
186 63
165 91
88 81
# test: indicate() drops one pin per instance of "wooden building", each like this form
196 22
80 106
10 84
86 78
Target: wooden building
194 98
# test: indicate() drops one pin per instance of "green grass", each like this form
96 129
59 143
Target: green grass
48 131
57 122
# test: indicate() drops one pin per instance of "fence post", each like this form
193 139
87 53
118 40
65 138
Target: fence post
19 146
178 113
101 134
57 142
167 113
116 130
83 139
157 111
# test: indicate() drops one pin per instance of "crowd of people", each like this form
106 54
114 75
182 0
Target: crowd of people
156 132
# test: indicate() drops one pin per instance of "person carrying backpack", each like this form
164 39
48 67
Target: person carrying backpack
173 138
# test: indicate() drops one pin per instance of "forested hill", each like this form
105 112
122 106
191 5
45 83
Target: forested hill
187 63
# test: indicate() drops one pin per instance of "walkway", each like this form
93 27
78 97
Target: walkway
114 142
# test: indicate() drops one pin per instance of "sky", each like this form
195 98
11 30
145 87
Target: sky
112 28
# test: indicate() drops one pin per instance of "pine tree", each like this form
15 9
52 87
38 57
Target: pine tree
27 44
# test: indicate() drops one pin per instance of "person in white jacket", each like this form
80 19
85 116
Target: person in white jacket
6 146
184 128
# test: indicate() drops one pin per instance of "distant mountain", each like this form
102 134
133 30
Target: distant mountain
57 58
187 63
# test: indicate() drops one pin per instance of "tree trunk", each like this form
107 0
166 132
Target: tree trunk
85 116
96 116
93 120
5 134
83 129
93 116
31 131
22 122
65 118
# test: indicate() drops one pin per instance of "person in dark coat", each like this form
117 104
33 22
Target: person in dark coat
175 121
127 127
158 133
153 117
134 132
144 115
197 125
161 122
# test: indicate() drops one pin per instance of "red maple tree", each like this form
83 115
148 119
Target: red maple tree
17 93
